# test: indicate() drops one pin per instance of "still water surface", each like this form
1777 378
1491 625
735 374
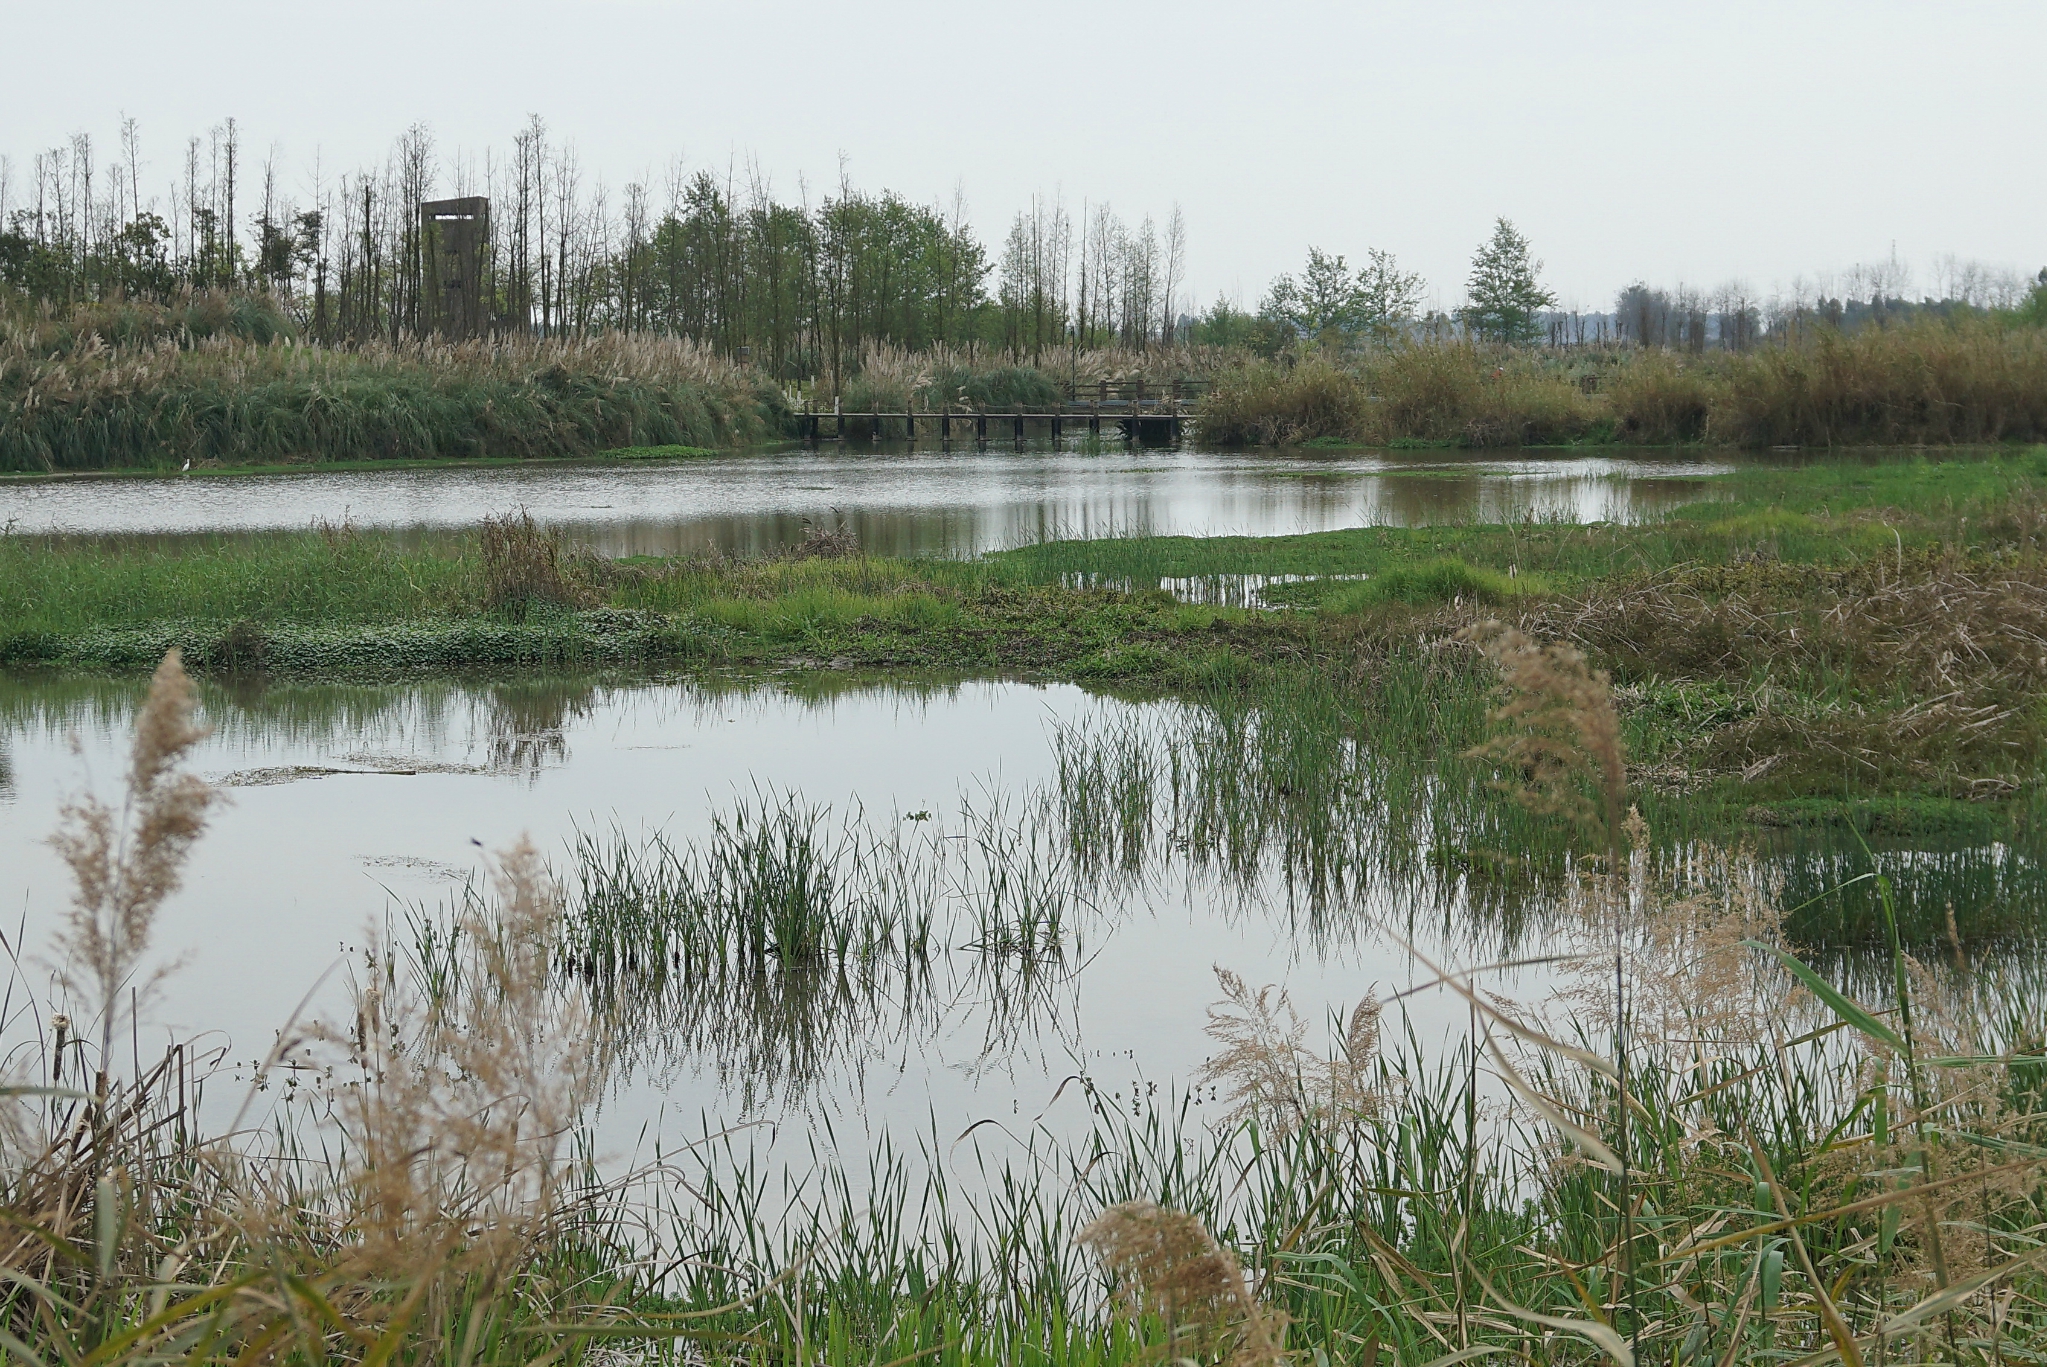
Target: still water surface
361 812
305 864
899 501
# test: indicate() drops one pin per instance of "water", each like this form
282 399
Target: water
352 808
899 501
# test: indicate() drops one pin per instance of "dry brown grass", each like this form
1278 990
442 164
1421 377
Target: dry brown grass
1166 1264
1921 666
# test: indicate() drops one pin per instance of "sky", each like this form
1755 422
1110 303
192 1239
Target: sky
1660 140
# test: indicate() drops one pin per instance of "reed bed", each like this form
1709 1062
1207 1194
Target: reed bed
1931 382
224 399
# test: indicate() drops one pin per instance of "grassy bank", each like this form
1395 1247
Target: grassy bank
1842 631
228 400
1929 382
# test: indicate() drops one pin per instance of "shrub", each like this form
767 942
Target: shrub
1274 405
1655 398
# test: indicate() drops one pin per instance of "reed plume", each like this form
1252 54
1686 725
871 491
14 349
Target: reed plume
1268 1072
1560 731
125 864
1166 1263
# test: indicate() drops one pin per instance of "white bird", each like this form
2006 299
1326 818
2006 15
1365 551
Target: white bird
187 465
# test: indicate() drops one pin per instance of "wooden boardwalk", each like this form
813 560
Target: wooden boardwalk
1141 414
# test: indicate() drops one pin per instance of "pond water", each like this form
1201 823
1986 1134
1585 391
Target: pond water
898 500
364 811
1083 865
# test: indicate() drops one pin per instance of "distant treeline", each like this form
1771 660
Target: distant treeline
801 288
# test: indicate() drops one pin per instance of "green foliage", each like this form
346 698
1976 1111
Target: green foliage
1330 302
1505 291
2033 312
1227 326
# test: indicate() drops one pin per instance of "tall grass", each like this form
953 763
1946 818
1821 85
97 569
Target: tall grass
225 399
1930 382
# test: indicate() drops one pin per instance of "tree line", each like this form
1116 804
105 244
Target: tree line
800 288
1331 305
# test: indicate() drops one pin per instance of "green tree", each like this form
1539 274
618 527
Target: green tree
2033 311
1329 301
1505 292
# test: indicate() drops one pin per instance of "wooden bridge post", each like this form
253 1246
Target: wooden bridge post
945 423
981 428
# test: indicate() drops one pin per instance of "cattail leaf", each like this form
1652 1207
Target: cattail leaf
106 1222
1602 1336
1477 1350
1843 1006
1772 1277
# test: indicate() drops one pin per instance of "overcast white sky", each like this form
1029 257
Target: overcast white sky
1668 141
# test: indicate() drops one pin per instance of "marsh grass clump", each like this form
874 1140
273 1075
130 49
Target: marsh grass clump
1443 580
1274 406
835 541
1932 381
524 566
235 400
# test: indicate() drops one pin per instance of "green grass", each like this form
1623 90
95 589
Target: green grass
657 453
1819 513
